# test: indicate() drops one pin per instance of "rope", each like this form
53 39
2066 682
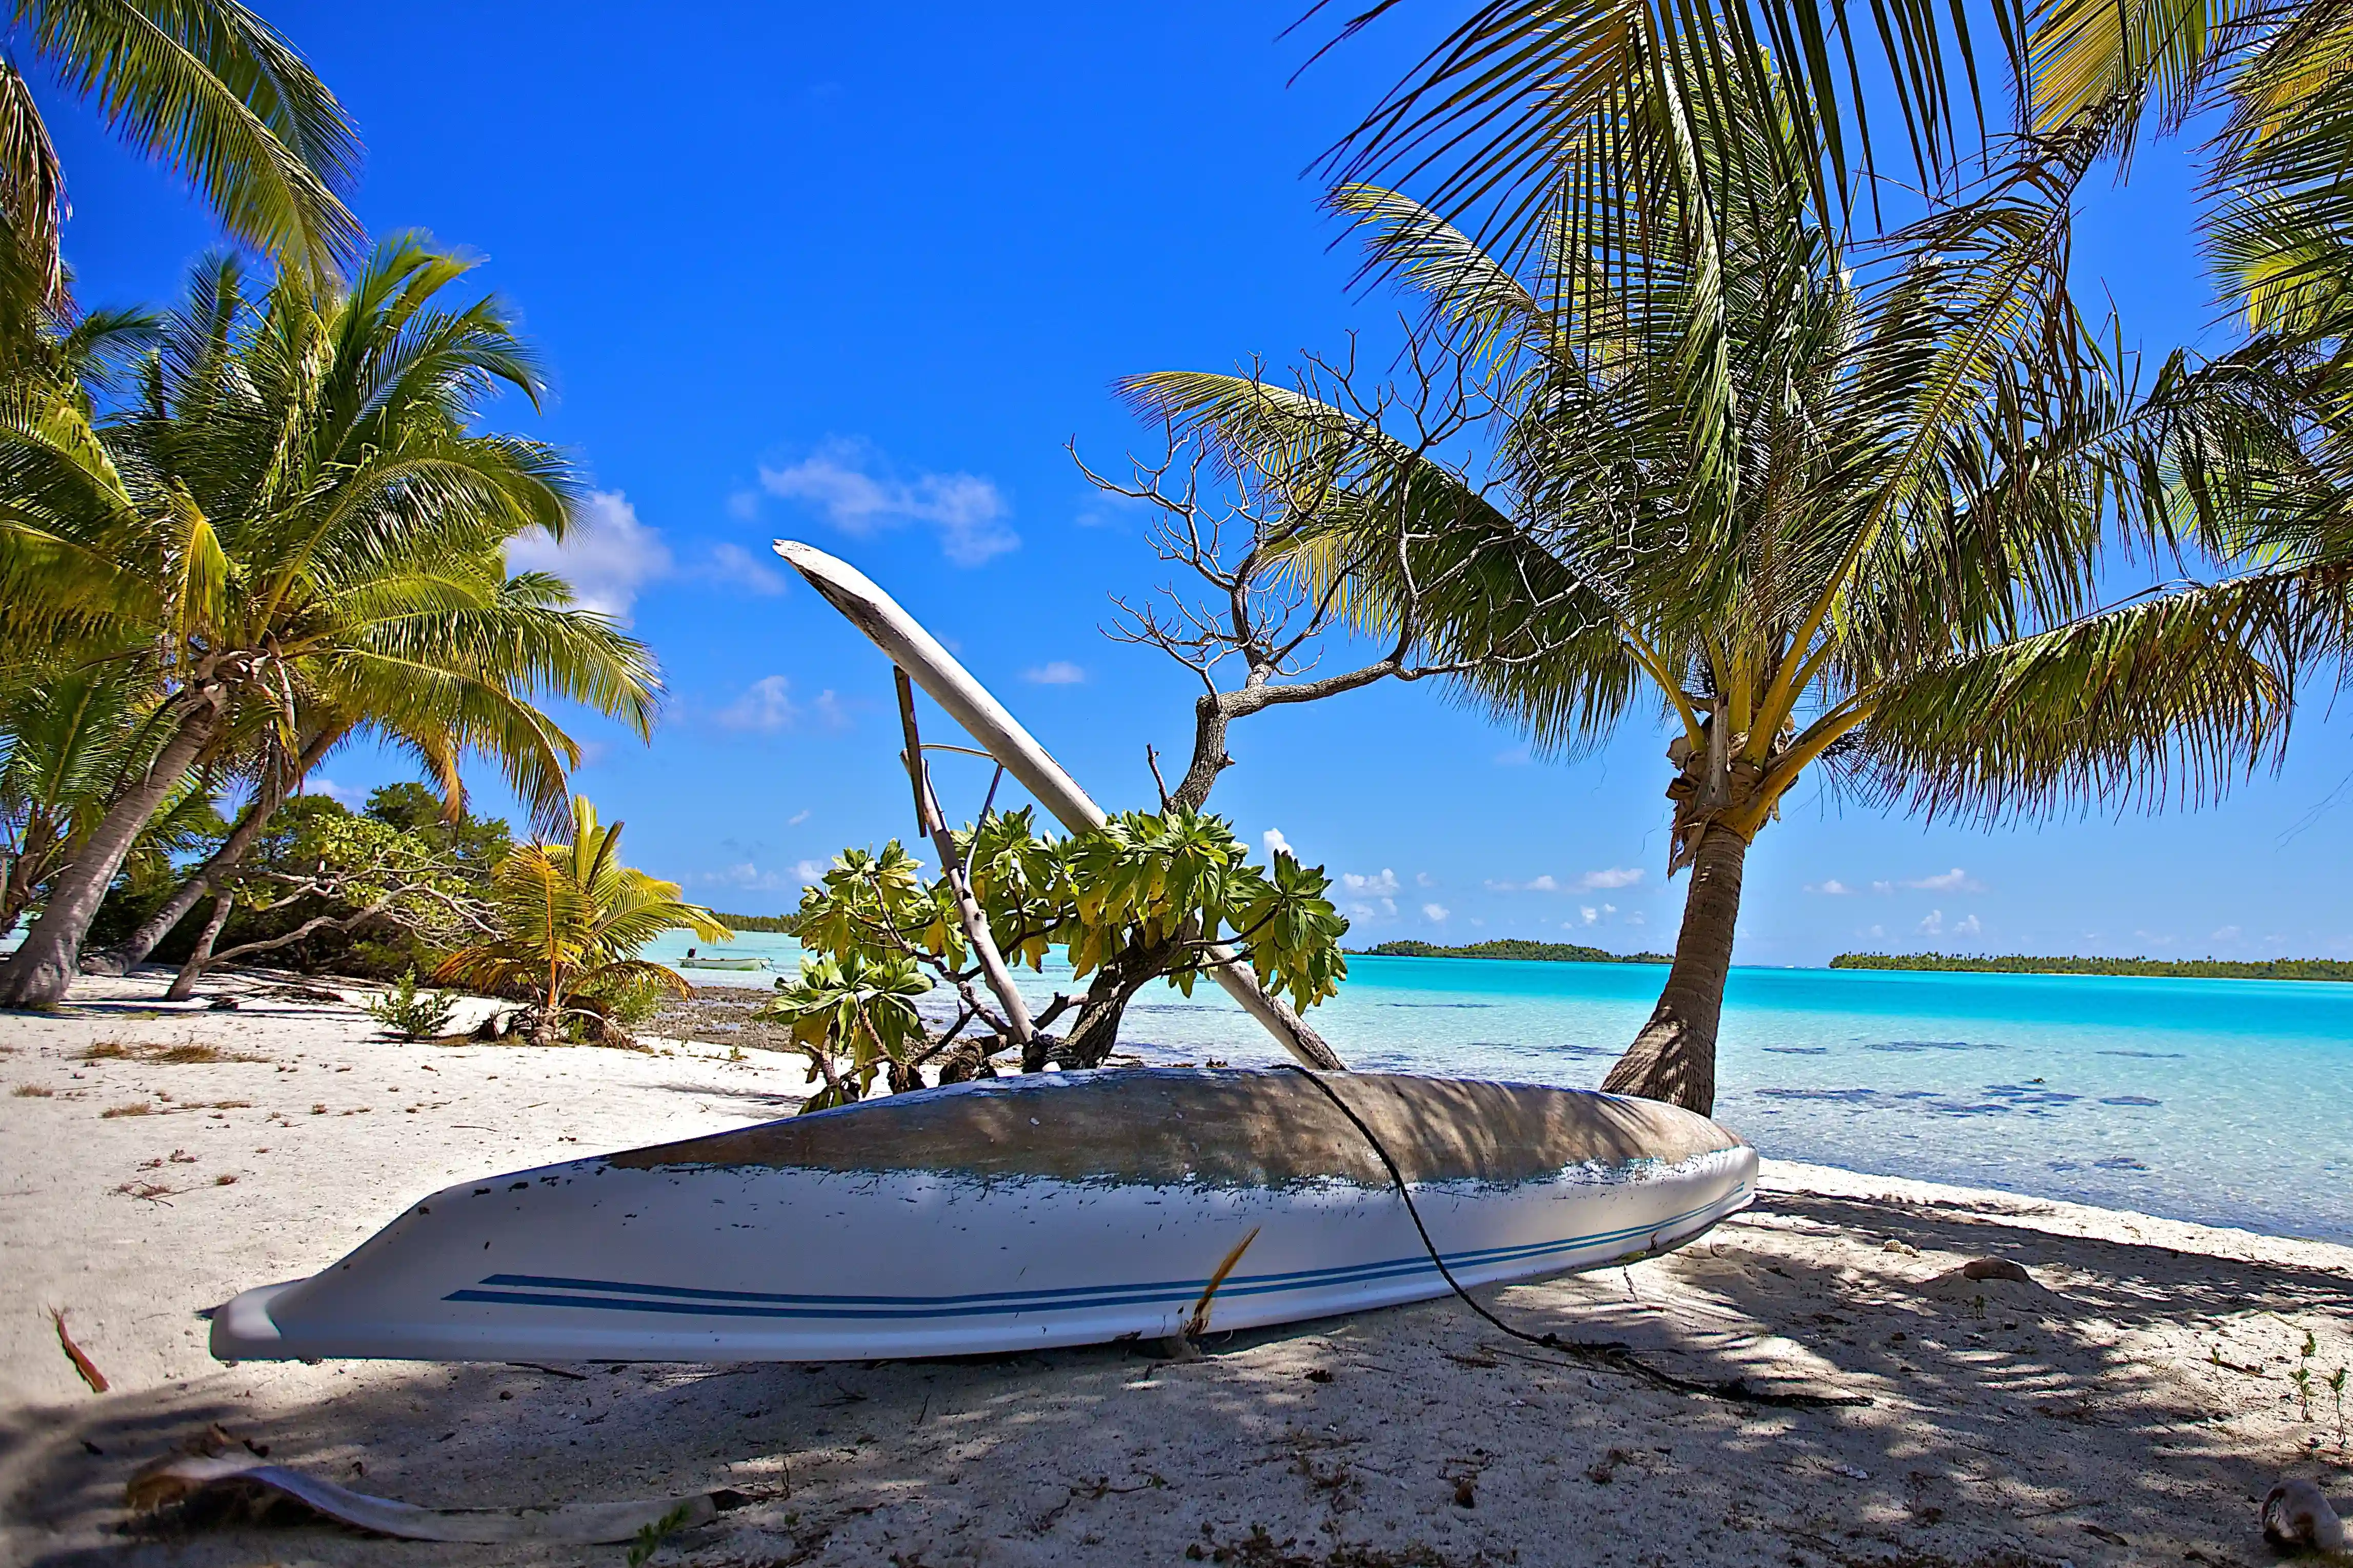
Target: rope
1611 1354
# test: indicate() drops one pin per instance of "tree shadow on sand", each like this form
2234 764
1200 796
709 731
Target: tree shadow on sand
2129 1406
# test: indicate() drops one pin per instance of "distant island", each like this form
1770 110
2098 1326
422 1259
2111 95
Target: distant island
1512 947
779 924
2151 968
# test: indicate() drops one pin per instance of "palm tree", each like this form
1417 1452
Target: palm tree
571 921
293 514
1824 513
1486 120
202 86
1527 99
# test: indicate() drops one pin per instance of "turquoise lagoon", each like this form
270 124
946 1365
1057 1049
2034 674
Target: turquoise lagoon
2224 1101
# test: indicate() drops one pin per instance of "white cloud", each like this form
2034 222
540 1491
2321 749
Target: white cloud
1953 881
344 794
1882 887
1276 844
1834 887
767 707
1544 884
608 557
1109 509
796 818
1968 927
1435 913
1513 757
968 510
1381 886
1933 925
809 871
1365 910
1615 876
2225 933
748 876
1424 880
738 568
1588 914
1055 672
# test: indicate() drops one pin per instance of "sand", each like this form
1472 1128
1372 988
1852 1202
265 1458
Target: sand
2131 1404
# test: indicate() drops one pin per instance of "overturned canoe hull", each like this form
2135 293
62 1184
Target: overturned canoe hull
1023 1213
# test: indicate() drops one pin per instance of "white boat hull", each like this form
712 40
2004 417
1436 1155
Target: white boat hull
674 1257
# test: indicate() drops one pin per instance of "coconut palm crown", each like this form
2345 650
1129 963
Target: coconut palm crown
205 86
571 921
1824 514
292 516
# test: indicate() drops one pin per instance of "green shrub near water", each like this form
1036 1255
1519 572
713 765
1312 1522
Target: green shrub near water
1143 898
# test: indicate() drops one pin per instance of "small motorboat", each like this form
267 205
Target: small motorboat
1016 1214
741 963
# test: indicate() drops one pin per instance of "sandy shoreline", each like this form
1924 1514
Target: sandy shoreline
2131 1406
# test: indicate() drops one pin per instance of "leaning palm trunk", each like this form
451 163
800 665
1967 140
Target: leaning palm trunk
133 950
184 984
1674 1058
39 972
269 796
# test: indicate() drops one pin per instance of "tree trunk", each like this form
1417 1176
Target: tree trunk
1674 1058
1095 1034
184 984
1210 759
41 971
15 892
35 857
133 950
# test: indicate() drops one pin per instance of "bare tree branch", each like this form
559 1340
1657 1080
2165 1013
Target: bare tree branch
1237 542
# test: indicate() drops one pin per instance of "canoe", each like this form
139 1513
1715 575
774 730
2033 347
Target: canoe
1015 1214
723 963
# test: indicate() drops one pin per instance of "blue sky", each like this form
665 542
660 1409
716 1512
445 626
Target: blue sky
856 276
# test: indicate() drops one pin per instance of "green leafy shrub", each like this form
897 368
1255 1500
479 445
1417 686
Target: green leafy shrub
1146 897
413 1015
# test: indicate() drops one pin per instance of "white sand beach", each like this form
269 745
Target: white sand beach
2131 1404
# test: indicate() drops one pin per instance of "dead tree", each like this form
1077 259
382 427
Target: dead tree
1264 550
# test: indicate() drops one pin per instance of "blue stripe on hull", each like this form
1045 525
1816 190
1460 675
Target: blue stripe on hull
539 1291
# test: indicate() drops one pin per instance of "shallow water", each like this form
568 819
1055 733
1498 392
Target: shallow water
2223 1102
